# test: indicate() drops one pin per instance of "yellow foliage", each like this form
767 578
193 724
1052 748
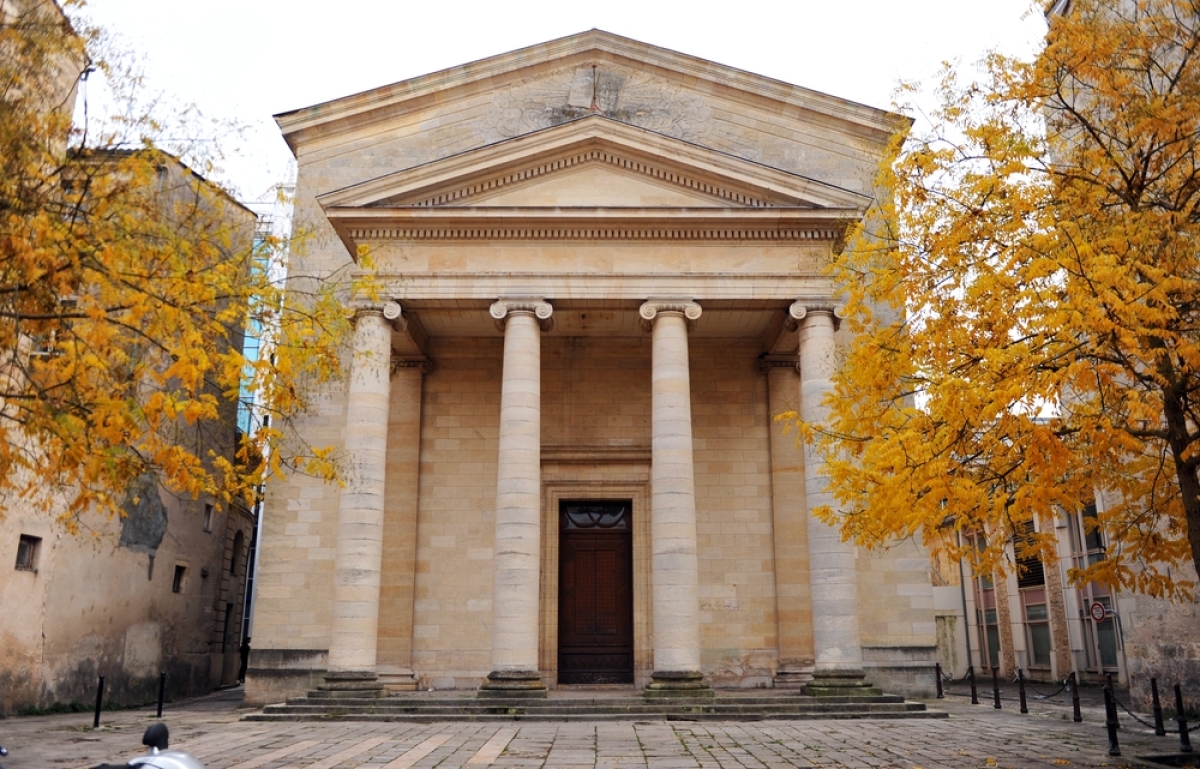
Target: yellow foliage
1026 307
126 284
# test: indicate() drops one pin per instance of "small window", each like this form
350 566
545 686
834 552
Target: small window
1092 538
177 582
208 516
27 552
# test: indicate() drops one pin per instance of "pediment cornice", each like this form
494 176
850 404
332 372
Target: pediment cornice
721 179
379 105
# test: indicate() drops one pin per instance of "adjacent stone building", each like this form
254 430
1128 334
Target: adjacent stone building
160 590
601 270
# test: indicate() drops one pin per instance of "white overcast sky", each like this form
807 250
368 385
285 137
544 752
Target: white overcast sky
245 60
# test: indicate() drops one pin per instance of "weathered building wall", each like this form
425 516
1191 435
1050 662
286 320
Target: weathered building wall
1162 641
101 603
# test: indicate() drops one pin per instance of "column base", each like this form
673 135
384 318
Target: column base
793 676
397 679
351 684
677 684
526 684
841 683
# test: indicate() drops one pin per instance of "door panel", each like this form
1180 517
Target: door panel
595 635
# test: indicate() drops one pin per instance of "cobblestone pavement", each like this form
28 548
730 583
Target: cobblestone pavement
209 728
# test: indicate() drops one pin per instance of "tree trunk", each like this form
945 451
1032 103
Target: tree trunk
1185 469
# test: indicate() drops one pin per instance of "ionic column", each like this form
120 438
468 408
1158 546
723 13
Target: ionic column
517 562
832 572
674 566
355 612
789 526
397 589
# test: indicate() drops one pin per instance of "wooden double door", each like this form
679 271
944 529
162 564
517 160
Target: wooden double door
595 592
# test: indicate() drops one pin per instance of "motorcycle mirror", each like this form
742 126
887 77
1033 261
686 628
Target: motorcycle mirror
156 736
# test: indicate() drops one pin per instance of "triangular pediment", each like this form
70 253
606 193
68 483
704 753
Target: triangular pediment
593 162
593 71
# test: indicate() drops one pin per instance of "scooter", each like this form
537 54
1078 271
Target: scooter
159 756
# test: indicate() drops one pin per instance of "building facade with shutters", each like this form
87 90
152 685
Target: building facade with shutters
601 273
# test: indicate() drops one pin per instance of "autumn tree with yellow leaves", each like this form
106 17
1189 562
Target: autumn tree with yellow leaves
126 282
1025 308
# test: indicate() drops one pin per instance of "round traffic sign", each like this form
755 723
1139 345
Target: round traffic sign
1098 612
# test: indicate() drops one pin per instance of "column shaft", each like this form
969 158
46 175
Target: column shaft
832 571
674 564
355 611
517 550
793 596
397 591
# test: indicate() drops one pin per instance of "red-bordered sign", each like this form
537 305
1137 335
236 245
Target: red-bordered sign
1098 612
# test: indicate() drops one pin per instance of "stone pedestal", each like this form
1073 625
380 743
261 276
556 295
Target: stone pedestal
684 684
517 562
513 684
674 565
846 682
350 685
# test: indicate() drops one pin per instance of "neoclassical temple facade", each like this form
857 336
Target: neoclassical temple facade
601 272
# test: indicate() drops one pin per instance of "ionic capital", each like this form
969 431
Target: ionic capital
802 308
650 310
388 310
411 361
541 309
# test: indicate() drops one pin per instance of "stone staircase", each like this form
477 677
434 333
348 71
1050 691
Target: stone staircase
566 705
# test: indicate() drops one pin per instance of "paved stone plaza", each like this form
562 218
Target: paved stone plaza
973 736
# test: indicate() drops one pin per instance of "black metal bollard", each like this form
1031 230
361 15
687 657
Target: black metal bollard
995 687
162 687
1159 728
1074 684
1110 722
99 702
937 666
1021 690
1185 742
1113 692
974 694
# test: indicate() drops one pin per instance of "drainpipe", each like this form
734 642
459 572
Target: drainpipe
962 586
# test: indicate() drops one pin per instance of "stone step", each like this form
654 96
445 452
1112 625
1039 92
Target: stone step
648 708
424 717
469 708
554 702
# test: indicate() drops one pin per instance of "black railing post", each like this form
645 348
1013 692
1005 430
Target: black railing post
1159 728
1185 742
995 687
1021 690
99 702
974 693
937 666
162 687
1110 721
1074 684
